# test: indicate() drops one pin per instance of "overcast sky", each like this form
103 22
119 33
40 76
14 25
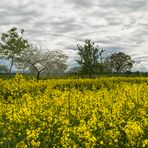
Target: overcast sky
116 25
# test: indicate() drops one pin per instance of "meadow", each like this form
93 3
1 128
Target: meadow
101 112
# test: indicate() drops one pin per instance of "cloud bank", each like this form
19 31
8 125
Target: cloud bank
62 24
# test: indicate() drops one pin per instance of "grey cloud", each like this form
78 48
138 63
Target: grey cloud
139 36
81 3
113 24
110 39
20 13
141 66
141 58
64 26
125 5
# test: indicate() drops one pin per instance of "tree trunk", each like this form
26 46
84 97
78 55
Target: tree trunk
38 75
11 65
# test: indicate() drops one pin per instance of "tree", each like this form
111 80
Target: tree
12 44
119 62
38 61
3 69
89 58
57 65
74 70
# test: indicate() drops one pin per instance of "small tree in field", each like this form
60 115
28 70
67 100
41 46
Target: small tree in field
119 62
89 58
12 44
39 61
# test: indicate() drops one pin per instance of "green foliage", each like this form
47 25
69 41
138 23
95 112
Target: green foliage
12 45
119 62
88 58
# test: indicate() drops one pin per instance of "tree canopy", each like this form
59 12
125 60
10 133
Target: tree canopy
89 57
119 62
12 44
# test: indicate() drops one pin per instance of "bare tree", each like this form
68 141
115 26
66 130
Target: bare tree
39 61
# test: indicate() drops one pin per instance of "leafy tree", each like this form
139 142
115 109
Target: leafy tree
12 44
38 61
3 69
89 58
119 62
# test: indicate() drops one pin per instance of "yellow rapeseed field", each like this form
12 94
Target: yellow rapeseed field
102 112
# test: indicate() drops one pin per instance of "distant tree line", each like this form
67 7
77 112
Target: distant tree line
28 57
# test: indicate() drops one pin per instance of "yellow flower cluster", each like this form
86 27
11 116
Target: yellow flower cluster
101 112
